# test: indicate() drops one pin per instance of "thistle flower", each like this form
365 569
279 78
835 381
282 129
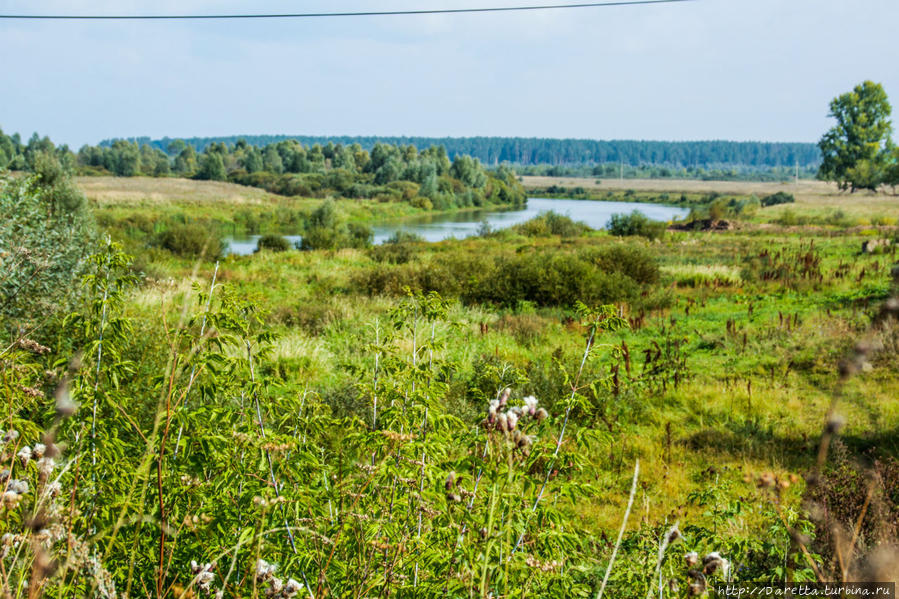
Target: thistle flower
292 587
38 451
10 436
530 404
541 414
511 420
45 466
4 474
673 535
24 455
265 570
502 422
450 480
504 399
19 487
712 562
493 407
275 586
691 558
10 499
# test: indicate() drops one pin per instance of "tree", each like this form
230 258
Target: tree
856 150
212 167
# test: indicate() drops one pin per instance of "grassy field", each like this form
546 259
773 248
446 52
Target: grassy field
338 398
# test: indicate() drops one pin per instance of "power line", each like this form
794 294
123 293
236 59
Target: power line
313 15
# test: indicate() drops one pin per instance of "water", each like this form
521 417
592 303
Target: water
464 224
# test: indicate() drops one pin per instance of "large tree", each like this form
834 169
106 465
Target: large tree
855 152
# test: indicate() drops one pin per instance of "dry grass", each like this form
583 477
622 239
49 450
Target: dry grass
148 191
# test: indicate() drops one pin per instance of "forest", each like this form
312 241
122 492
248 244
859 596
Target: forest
554 152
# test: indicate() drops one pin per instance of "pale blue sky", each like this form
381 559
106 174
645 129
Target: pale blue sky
709 69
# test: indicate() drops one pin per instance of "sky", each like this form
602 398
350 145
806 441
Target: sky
706 69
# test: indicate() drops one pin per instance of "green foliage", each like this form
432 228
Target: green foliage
274 243
856 150
191 241
326 230
635 223
781 197
45 237
552 223
545 278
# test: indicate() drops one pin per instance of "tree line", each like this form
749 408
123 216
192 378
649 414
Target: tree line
428 179
548 151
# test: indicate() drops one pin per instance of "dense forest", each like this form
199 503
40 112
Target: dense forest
534 151
427 179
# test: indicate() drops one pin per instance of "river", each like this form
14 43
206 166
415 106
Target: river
457 225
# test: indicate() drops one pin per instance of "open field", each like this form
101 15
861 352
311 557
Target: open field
330 411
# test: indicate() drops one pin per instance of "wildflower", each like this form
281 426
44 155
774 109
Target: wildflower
512 420
45 466
541 414
264 570
450 480
504 399
10 436
19 487
673 535
691 558
292 588
274 587
33 346
530 404
712 562
203 575
502 422
4 474
39 450
24 455
10 499
493 407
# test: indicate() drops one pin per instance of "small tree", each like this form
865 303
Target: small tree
856 150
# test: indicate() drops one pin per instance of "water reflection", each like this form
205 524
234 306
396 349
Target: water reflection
438 227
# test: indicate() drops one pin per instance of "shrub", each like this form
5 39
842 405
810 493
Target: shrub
631 261
635 223
552 223
191 241
274 243
778 198
325 230
45 237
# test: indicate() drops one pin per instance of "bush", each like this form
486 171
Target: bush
46 235
274 243
635 223
631 261
325 230
546 279
778 198
552 223
191 241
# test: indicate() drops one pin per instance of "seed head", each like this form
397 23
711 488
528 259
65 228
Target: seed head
541 414
691 558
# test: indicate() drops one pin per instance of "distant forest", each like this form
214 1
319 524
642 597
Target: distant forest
746 155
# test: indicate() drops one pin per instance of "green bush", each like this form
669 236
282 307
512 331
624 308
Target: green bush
46 234
274 243
191 241
635 223
325 230
632 261
551 278
552 223
778 198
